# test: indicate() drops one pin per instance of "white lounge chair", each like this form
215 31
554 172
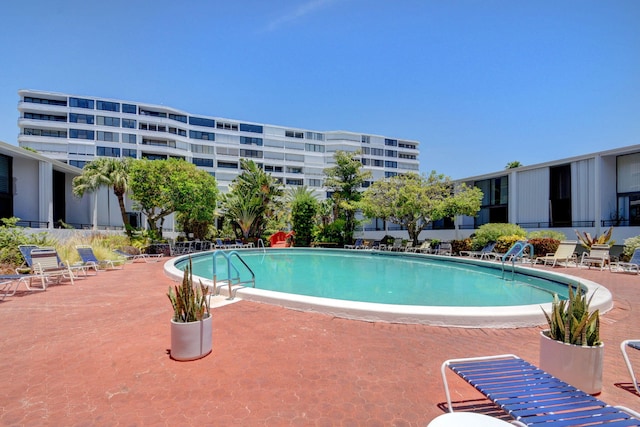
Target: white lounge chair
632 266
46 267
564 253
598 256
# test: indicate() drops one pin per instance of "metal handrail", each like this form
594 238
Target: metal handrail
230 265
513 253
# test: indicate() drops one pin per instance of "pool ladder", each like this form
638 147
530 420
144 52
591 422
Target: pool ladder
516 251
230 280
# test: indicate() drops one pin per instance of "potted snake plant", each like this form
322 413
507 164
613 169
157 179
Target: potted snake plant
191 325
571 349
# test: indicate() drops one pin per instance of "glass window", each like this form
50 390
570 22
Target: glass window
129 123
199 121
295 181
152 113
129 152
45 132
377 152
250 128
248 140
81 118
208 163
227 126
47 117
45 101
108 136
390 164
129 108
314 147
366 139
209 136
81 103
178 117
251 153
129 138
108 121
78 163
108 106
391 142
293 134
81 134
227 165
390 153
108 151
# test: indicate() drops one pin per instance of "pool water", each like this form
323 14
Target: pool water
378 278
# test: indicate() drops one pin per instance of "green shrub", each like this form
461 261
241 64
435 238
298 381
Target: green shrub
460 245
550 234
544 245
572 322
493 231
630 245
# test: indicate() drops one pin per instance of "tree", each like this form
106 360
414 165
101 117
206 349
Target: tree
345 180
105 172
413 201
254 193
161 187
304 208
513 165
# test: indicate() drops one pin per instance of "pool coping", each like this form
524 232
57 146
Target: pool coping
462 317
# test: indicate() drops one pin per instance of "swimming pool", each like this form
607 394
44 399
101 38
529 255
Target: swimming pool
394 287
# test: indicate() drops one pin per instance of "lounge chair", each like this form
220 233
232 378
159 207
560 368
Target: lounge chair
9 284
396 246
444 248
533 397
409 247
564 253
25 251
46 267
89 259
134 257
424 248
488 248
634 345
598 256
355 245
633 266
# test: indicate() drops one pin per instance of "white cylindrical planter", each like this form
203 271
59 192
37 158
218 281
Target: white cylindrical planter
576 365
192 340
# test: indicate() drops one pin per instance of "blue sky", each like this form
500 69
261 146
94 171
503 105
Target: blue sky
479 83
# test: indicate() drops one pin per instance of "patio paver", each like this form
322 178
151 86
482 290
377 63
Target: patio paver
97 354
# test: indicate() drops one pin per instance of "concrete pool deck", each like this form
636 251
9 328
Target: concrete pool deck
96 354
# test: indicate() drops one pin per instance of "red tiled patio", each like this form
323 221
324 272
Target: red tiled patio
97 354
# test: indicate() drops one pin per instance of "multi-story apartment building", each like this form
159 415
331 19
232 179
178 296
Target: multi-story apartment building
76 129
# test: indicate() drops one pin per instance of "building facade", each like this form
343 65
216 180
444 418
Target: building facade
76 129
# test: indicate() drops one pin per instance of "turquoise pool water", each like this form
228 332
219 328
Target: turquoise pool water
378 278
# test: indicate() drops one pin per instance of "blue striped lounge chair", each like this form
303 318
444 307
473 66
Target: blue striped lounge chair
630 345
533 397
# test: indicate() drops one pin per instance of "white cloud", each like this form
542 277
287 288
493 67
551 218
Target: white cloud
302 10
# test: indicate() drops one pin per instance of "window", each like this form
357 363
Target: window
295 181
81 118
390 164
366 139
150 156
81 103
81 134
250 128
390 153
107 151
407 156
108 121
251 153
207 163
376 162
108 136
317 148
129 123
391 142
248 140
269 168
45 101
199 121
144 112
209 136
129 108
293 169
390 174
495 199
78 163
178 117
407 145
128 152
45 132
129 138
365 161
293 134
377 152
315 136
227 165
108 106
204 149
315 183
47 117
560 195
227 126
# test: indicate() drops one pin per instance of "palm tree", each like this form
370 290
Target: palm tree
105 172
243 209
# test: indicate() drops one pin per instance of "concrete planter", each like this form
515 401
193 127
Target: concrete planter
192 340
577 365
